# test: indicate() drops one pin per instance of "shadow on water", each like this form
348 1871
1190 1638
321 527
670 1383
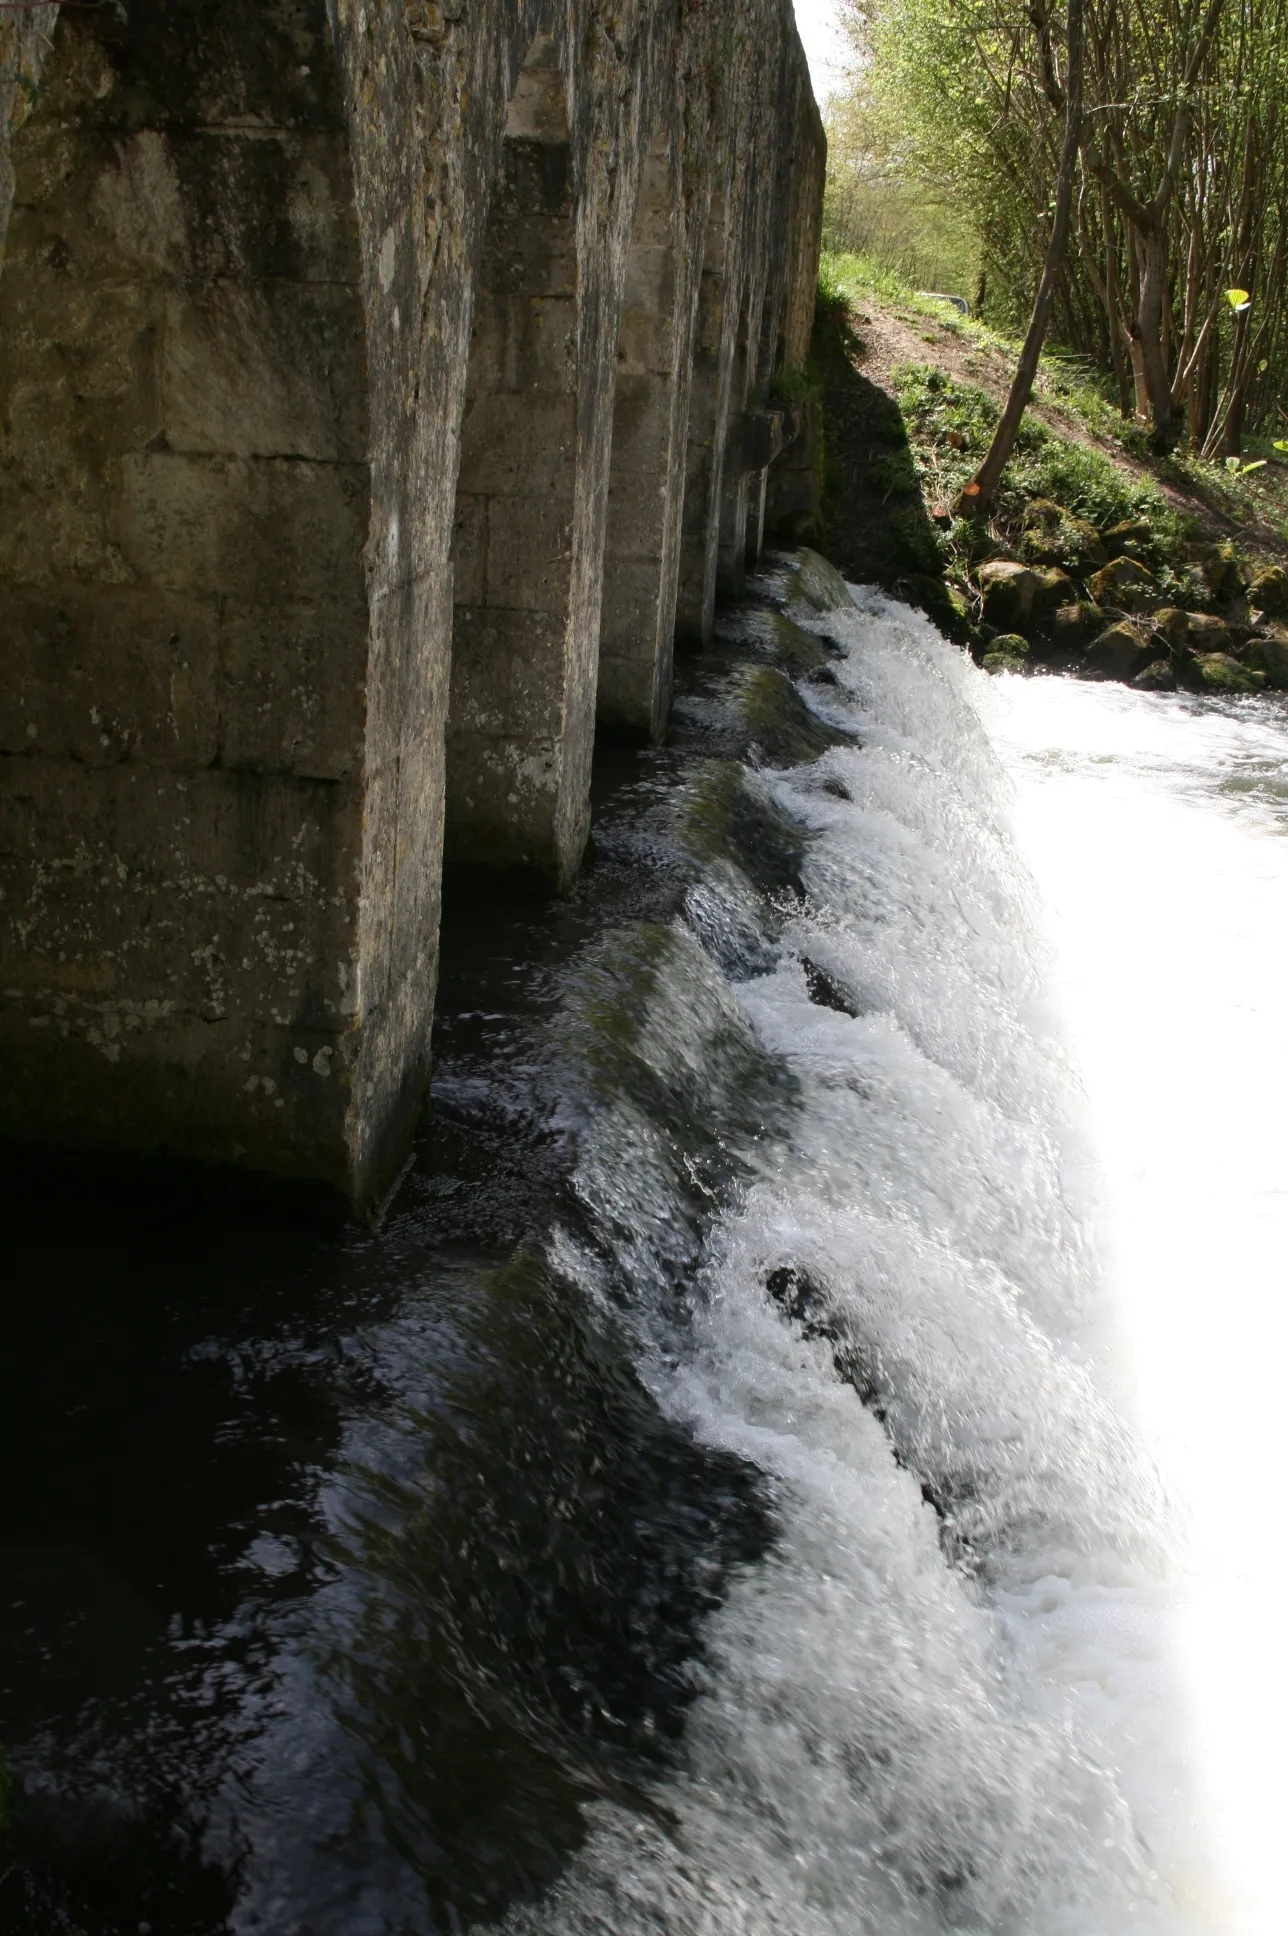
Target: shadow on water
535 1574
340 1570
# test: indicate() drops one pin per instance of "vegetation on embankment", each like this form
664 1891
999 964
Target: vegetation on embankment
1095 559
944 144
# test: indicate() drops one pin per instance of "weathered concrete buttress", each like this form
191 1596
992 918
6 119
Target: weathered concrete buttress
382 386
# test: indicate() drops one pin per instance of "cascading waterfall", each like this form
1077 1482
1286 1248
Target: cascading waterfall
916 1711
735 1507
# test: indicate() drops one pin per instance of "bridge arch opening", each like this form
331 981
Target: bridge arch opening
520 646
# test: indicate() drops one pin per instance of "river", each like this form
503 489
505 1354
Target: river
797 1456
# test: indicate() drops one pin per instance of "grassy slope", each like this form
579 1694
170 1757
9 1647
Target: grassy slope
911 396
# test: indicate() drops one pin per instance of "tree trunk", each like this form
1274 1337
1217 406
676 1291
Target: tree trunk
1153 298
979 493
1113 310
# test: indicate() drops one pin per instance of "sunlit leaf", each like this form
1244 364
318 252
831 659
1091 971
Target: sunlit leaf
1281 443
1259 464
1232 463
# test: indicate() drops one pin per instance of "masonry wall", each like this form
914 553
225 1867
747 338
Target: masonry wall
282 614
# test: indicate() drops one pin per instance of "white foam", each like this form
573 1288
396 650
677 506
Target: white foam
982 1722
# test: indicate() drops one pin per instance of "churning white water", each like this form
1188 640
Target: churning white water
1157 833
1007 1352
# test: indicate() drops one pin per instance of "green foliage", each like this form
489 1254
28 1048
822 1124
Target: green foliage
944 148
950 426
937 410
793 386
1087 483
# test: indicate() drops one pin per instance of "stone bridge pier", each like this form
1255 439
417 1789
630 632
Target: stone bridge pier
384 384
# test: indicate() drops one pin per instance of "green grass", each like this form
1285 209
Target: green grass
950 426
1082 478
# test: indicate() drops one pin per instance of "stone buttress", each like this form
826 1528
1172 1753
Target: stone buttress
382 386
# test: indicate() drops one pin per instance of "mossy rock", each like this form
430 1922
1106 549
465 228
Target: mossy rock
1172 625
1007 589
1056 539
1206 633
1222 673
1069 627
909 543
1192 589
944 603
780 728
1121 651
1158 676
817 583
1268 656
726 814
797 651
1268 591
1191 631
1126 585
1221 568
772 636
1128 538
1008 652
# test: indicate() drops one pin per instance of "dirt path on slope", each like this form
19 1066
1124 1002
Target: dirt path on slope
883 341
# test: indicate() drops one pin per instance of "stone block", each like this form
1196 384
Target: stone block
270 369
508 447
414 932
469 548
655 212
649 288
134 219
259 529
630 619
641 511
213 893
292 689
533 254
509 672
529 553
285 206
149 1080
100 676
647 345
523 343
502 801
642 418
628 693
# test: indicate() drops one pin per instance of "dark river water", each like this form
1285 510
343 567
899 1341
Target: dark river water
707 1502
